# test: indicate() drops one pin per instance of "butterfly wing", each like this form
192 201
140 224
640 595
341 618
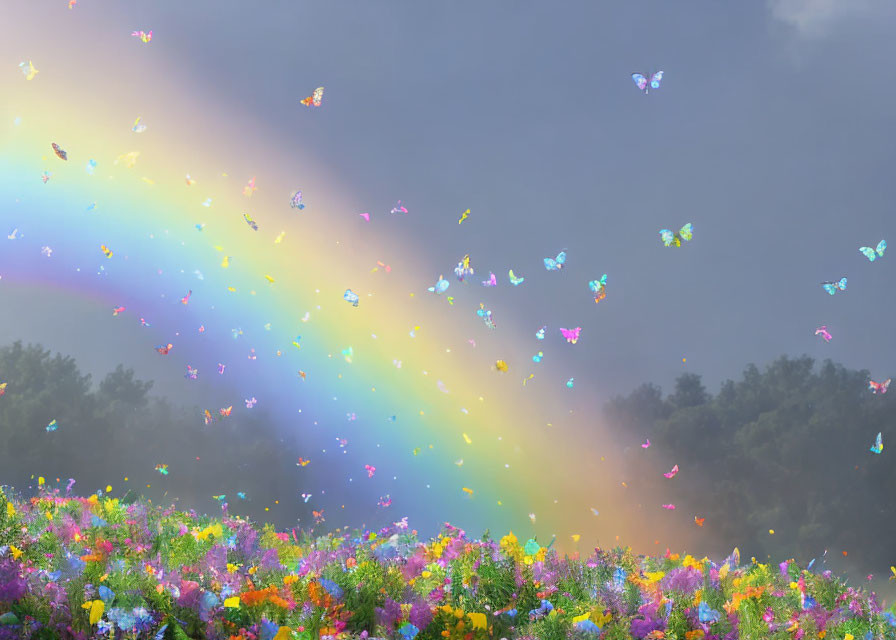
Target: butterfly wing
842 284
885 385
881 247
550 264
829 287
640 80
318 96
561 259
686 232
655 80
668 237
878 445
868 252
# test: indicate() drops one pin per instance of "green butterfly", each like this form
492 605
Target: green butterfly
674 239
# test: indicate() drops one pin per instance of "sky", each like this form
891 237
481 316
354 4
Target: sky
771 133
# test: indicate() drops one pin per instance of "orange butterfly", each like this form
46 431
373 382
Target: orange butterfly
302 462
208 417
314 99
303 374
226 412
699 521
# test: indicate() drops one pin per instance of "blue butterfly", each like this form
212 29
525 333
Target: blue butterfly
706 614
874 254
350 296
833 287
646 85
552 264
878 445
439 287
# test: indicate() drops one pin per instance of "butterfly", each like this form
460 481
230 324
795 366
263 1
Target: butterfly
350 296
370 470
296 201
138 128
463 268
514 280
28 71
190 181
674 239
207 203
117 310
315 98
398 208
208 417
646 85
645 444
144 37
52 426
500 365
3 387
823 332
878 387
874 254
162 468
833 287
226 412
106 250
555 264
878 445
491 282
571 335
570 383
540 333
251 402
599 288
347 353
366 216
468 491
486 316
302 374
186 298
45 176
250 221
164 349
306 497
250 188
221 368
191 373
464 216
537 357
252 355
240 495
384 501
351 417
59 151
91 166
670 507
672 473
699 521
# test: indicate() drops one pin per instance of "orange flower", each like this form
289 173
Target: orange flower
351 562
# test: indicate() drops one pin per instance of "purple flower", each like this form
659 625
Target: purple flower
684 579
12 584
389 614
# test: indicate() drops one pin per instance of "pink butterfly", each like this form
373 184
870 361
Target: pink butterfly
144 323
252 355
670 507
384 501
306 497
221 368
402 524
366 216
672 473
144 37
879 387
251 402
186 298
645 444
491 282
823 332
370 470
117 310
250 188
472 342
398 208
571 335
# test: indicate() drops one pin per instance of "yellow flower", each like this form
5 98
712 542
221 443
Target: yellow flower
15 552
426 574
478 620
458 613
10 509
581 618
509 540
96 610
231 568
600 619
232 603
284 633
447 609
656 576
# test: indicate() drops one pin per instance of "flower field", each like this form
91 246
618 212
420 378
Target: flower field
102 567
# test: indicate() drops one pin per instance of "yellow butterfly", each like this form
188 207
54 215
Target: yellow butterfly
464 216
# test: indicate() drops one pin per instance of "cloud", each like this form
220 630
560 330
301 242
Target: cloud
814 18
